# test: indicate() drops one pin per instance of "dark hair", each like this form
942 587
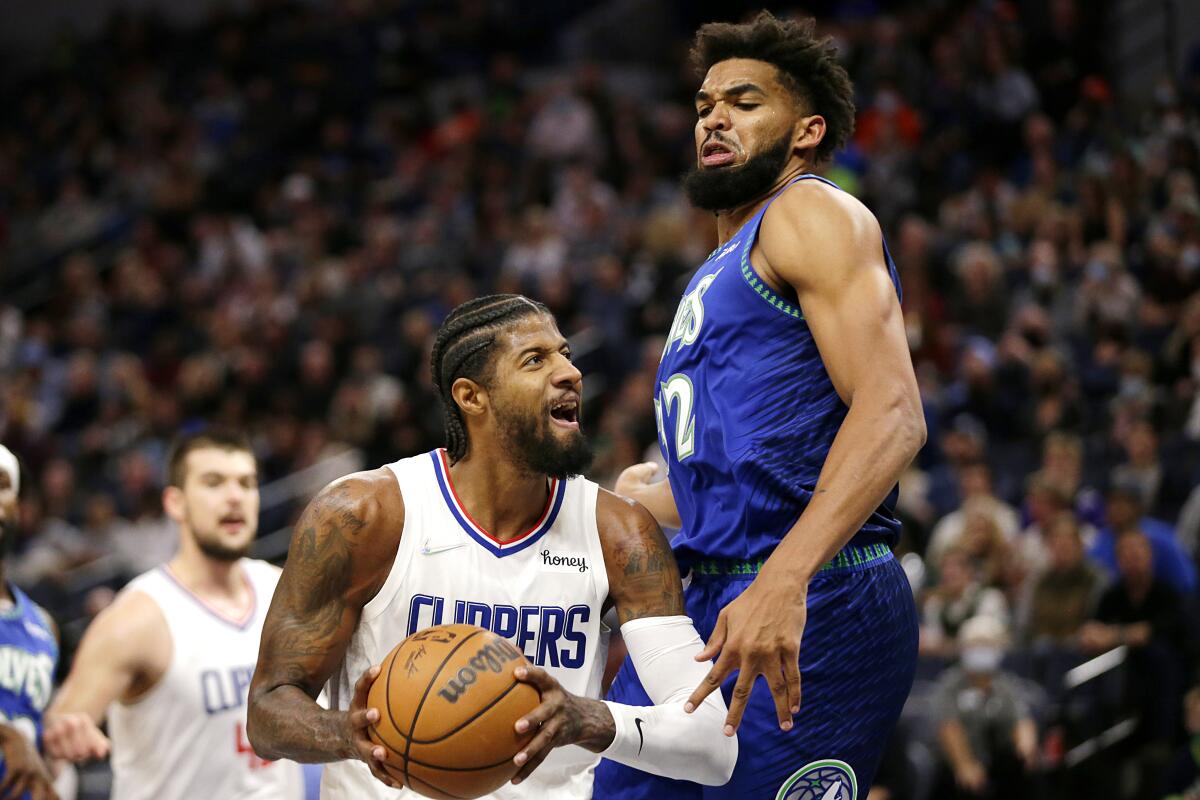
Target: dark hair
220 438
463 349
807 65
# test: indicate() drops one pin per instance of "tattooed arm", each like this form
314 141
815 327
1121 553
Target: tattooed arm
341 553
643 579
661 739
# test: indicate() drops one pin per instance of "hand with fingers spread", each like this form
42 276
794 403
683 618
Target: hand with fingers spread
73 737
757 634
562 718
24 770
357 720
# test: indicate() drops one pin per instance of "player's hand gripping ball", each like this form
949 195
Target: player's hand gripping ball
448 705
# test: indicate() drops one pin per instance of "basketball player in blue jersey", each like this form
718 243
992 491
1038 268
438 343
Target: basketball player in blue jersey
29 651
787 409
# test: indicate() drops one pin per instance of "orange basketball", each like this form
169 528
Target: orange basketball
447 702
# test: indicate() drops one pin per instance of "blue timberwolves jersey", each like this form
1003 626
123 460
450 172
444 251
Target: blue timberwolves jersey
28 654
746 411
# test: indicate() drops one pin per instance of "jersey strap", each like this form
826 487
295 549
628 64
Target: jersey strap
490 543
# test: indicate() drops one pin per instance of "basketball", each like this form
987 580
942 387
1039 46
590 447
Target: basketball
448 702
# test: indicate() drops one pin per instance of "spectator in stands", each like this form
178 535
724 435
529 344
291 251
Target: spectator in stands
1064 597
1124 511
1062 464
1158 486
957 597
1045 500
986 728
975 487
1144 613
984 544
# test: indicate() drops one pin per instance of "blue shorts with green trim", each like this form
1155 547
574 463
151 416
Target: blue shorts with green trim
857 660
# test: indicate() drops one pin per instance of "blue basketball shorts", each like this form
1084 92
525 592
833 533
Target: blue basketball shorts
857 660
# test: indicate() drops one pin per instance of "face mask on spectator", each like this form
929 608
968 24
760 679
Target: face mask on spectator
981 658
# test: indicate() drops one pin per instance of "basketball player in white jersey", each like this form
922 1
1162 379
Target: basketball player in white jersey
494 530
169 662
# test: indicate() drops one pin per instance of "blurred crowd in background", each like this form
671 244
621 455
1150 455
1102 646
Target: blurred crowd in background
261 222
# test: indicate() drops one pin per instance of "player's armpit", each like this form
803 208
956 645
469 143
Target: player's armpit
643 578
341 553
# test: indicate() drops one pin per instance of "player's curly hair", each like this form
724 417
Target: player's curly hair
463 349
807 64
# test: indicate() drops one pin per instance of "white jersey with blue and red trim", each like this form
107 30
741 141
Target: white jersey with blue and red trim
186 738
544 591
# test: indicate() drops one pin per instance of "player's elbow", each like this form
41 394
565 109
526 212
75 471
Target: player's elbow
907 424
717 768
257 709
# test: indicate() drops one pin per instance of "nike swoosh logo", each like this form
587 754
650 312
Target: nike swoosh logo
428 551
637 721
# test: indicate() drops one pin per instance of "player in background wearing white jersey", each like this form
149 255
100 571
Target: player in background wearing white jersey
363 571
169 662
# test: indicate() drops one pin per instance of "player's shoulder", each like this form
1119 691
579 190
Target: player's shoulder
815 213
622 522
134 620
361 499
358 518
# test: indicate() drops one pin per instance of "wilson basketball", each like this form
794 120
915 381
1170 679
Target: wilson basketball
448 702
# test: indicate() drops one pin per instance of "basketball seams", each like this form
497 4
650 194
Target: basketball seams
467 722
425 696
435 787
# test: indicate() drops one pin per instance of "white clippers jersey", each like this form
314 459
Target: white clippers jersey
544 591
186 738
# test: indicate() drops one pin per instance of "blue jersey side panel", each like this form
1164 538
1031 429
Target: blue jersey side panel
28 654
746 411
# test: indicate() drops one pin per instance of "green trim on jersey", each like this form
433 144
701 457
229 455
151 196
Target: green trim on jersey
762 290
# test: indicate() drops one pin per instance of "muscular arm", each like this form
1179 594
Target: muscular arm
827 246
643 578
341 552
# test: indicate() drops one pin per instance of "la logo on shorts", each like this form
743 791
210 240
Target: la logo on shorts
829 779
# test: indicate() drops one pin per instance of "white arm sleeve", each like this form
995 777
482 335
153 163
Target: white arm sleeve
663 739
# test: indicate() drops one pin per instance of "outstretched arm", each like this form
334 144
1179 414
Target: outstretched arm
340 555
635 483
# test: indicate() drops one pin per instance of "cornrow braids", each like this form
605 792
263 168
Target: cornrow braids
463 349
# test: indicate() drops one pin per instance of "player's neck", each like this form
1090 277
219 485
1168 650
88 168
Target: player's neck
206 576
504 500
730 221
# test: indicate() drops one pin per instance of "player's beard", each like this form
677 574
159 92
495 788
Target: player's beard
535 447
723 188
210 544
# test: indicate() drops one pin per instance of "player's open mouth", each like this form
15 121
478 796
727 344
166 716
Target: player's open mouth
233 521
715 154
565 413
